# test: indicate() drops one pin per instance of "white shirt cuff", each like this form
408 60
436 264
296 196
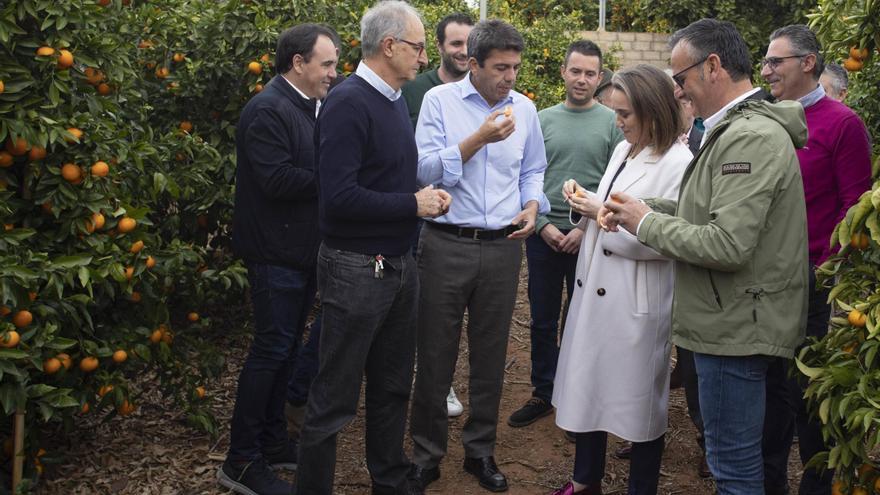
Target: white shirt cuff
639 226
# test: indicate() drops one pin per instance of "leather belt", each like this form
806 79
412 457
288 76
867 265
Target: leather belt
475 234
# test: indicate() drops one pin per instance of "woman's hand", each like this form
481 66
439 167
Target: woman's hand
580 200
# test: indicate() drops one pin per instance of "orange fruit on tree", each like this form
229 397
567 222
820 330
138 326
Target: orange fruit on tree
255 68
98 220
837 488
857 319
10 339
859 490
72 173
104 390
200 392
162 72
77 134
22 319
185 126
167 337
32 296
858 53
17 147
65 360
125 408
178 57
36 153
8 226
2 87
126 224
100 169
136 247
6 159
193 317
104 89
129 272
65 59
150 262
93 75
265 58
860 241
135 296
258 88
84 408
145 44
51 366
853 64
120 356
354 43
45 51
4 310
88 364
156 336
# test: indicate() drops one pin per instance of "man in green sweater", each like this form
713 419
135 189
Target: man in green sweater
580 135
452 35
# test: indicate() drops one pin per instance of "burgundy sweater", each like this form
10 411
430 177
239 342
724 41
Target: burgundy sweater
836 167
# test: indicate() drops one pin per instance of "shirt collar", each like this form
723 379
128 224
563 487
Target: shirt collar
712 121
812 97
468 89
373 79
317 102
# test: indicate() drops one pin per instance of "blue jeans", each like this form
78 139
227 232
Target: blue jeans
282 298
306 367
548 270
732 401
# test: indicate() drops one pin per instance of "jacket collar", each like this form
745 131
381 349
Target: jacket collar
306 104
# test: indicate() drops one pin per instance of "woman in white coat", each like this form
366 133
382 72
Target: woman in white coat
613 370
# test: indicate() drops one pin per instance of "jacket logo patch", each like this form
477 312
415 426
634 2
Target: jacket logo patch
736 168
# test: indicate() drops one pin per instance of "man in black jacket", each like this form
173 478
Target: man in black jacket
275 232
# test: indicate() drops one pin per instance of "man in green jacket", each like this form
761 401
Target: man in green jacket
738 235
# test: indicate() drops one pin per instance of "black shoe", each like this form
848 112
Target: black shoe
283 458
487 472
570 436
624 451
423 476
532 411
703 470
253 478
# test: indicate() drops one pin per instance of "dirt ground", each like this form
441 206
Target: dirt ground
153 451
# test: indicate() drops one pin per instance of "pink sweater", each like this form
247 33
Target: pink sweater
836 167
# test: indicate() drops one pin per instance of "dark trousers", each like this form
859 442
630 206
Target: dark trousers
548 271
367 330
644 462
461 274
281 298
688 370
306 367
789 413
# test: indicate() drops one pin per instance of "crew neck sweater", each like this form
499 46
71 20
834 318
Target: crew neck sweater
366 166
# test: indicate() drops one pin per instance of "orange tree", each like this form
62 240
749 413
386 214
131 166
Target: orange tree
843 367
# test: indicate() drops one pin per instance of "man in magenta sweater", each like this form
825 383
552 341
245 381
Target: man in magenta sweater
836 169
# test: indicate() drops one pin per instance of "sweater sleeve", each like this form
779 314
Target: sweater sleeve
269 153
343 146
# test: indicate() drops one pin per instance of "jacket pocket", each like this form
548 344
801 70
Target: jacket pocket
715 294
763 296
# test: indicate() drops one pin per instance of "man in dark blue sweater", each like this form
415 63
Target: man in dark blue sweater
368 209
275 232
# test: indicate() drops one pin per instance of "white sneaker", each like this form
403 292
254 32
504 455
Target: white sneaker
453 406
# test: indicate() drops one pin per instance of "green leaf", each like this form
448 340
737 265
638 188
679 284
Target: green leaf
12 354
823 410
813 373
72 261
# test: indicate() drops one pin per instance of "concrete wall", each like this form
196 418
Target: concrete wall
634 48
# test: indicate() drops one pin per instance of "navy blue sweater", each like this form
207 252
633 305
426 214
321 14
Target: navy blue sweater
366 164
276 205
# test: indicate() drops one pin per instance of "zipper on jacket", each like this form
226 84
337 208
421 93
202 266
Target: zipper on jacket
715 291
756 295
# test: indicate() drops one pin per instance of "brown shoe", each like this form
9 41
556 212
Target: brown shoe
703 470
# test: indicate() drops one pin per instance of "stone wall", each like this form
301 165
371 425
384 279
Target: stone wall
633 48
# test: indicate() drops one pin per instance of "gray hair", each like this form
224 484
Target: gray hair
838 77
387 18
803 42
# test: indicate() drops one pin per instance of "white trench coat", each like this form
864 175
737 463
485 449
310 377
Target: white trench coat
613 370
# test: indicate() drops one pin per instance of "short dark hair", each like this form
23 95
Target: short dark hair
300 40
584 47
493 34
456 18
803 41
708 36
651 94
839 77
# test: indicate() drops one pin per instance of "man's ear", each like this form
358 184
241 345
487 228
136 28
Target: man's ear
386 45
809 62
297 63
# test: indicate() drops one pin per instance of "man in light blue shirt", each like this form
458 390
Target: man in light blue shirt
481 142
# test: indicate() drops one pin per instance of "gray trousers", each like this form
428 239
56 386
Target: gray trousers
368 330
459 274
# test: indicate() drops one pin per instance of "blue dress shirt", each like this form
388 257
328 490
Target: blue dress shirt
491 188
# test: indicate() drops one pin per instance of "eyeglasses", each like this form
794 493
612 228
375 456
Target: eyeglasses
774 62
678 77
419 46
